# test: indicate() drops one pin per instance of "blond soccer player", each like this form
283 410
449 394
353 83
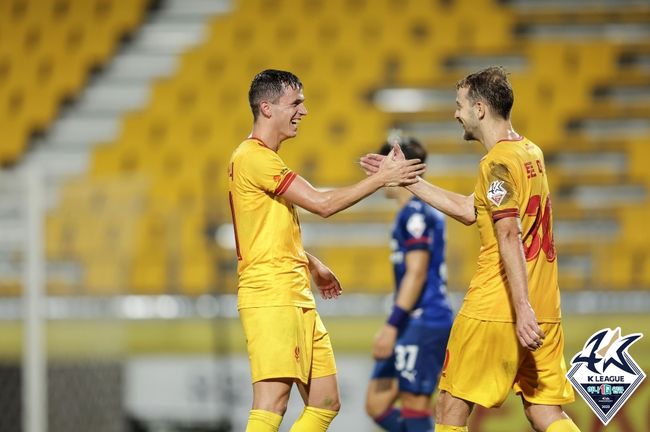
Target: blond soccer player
507 333
286 340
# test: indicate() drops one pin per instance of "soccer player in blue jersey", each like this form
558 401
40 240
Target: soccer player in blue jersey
410 348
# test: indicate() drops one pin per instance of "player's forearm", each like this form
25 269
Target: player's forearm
410 290
457 206
514 263
313 262
336 200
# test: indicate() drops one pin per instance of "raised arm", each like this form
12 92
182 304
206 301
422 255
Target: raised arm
508 234
457 206
327 203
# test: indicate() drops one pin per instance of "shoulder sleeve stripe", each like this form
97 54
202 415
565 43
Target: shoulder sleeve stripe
505 213
418 240
284 184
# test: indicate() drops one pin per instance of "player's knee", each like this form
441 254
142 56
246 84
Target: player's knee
531 418
443 404
332 403
542 417
274 406
416 402
374 409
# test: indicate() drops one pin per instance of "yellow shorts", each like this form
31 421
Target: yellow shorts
485 360
287 342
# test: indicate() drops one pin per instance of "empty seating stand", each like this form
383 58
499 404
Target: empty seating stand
47 50
178 145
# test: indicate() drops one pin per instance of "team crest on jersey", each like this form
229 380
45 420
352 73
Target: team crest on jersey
416 225
604 373
496 193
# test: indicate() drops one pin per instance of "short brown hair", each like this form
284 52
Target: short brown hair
490 85
270 85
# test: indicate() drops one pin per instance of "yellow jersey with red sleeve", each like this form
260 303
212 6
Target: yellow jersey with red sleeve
272 264
512 183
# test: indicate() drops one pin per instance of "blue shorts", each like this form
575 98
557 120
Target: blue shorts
417 358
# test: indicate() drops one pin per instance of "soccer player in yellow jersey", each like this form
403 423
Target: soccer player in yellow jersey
507 333
286 340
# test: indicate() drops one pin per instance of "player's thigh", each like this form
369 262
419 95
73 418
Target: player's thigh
419 357
322 362
272 395
541 378
482 361
277 343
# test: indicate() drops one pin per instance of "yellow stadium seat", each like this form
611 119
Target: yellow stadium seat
197 274
47 49
613 268
103 275
179 144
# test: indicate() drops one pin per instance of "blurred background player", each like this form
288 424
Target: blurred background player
410 348
286 339
507 333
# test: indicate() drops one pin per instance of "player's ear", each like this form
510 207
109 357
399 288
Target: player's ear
480 110
265 109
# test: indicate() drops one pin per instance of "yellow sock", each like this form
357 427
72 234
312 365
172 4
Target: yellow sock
263 421
448 428
313 420
564 425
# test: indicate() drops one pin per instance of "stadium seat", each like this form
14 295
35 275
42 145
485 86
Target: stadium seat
178 145
47 50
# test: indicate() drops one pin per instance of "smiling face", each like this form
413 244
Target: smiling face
287 111
466 113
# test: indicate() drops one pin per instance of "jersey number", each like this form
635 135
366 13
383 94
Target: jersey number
405 356
540 240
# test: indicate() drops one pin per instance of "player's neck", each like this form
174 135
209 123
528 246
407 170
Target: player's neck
267 136
497 132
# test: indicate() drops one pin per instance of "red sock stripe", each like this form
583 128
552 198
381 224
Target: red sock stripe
411 413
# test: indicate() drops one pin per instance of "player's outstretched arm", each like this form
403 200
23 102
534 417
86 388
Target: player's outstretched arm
326 281
327 203
457 206
508 235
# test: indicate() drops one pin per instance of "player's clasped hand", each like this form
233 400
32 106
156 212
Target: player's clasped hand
396 170
370 163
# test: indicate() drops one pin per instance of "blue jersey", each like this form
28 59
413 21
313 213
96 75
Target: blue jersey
421 227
